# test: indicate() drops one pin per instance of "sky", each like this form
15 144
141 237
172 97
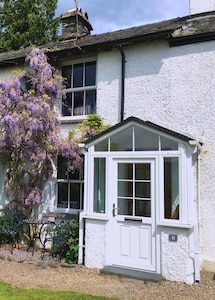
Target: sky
111 15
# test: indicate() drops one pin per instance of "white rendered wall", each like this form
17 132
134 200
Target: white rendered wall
94 244
200 6
174 88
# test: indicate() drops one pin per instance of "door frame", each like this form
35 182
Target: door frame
112 194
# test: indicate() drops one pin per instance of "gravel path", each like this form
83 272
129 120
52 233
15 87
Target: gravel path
32 272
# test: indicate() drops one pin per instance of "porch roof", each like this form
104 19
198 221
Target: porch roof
148 124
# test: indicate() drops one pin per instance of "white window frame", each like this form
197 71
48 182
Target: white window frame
74 118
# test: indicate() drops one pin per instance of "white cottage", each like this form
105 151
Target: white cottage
146 198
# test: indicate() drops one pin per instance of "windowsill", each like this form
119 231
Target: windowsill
176 225
72 119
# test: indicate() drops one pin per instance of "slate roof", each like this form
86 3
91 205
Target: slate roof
189 29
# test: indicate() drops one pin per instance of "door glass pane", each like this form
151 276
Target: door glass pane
125 206
122 141
125 171
145 140
62 195
78 76
99 185
171 188
143 189
142 171
134 189
143 208
125 189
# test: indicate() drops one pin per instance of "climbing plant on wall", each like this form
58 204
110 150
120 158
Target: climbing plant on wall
30 131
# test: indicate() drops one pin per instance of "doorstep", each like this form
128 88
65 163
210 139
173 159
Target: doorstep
132 273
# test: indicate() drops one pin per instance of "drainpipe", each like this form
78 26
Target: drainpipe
122 82
197 227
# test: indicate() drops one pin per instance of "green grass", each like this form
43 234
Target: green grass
9 292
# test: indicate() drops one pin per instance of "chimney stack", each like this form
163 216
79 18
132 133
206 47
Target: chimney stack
75 24
201 6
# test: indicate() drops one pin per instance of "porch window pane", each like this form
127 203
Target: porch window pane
102 146
167 144
99 185
122 141
145 140
171 188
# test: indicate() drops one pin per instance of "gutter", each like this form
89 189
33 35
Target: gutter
122 102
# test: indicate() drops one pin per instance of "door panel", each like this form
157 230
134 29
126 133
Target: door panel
133 221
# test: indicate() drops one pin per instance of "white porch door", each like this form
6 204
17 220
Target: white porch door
133 215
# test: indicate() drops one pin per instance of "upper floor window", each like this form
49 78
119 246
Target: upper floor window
80 96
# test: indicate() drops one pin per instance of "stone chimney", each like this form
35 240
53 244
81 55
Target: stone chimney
201 6
75 24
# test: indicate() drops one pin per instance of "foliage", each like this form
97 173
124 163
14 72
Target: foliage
25 22
30 130
9 292
65 241
91 126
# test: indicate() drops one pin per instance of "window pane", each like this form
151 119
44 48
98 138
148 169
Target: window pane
66 73
167 144
78 75
62 199
142 208
122 141
75 195
125 207
67 105
90 102
90 73
143 189
145 140
78 103
62 165
125 171
142 171
99 185
125 189
102 146
171 188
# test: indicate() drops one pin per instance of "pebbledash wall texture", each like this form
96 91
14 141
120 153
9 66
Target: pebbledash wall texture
172 87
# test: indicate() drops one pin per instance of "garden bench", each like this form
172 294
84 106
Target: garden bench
11 222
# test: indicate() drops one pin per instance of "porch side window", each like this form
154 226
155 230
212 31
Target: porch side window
80 90
99 185
171 188
70 186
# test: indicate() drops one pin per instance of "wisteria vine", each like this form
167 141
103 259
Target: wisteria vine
30 129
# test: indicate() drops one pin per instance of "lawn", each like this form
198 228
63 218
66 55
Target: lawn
9 292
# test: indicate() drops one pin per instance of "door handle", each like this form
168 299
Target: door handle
114 209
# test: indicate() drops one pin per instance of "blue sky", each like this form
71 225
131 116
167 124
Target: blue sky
110 15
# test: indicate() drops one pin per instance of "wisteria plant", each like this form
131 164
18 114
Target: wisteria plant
30 130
